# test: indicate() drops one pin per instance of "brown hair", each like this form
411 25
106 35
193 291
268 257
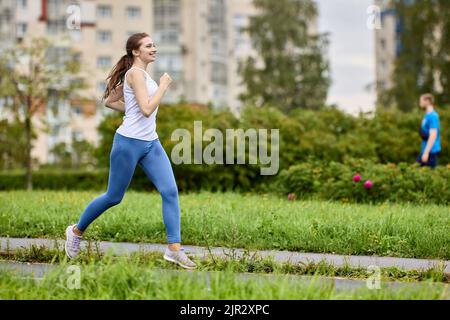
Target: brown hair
429 97
116 76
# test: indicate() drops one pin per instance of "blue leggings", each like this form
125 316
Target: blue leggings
126 153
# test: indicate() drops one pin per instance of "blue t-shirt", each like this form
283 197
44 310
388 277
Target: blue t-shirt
431 121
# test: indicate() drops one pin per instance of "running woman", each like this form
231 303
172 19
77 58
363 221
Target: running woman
430 133
136 142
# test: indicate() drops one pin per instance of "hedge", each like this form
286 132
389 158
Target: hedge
390 182
323 180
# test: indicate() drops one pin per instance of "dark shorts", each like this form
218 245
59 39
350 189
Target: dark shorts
432 160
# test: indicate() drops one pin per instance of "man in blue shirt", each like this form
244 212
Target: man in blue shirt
430 133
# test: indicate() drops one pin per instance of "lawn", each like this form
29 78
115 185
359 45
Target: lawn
237 220
130 279
248 263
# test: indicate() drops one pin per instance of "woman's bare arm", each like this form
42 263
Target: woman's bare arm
118 105
136 79
115 99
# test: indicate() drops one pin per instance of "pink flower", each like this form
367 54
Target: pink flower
356 178
368 184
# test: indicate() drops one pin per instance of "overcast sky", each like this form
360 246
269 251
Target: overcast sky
351 52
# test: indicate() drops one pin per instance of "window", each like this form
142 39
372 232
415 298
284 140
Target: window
219 73
21 29
167 36
241 40
130 33
75 34
103 61
78 135
55 8
169 62
218 46
5 16
76 110
104 36
58 55
21 4
56 26
216 18
133 12
167 21
104 11
101 87
56 130
77 57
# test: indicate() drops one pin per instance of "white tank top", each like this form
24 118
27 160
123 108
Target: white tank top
135 124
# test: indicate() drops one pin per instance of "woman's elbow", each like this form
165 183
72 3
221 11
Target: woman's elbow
146 113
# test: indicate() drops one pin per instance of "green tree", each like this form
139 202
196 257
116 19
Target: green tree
294 71
33 74
79 154
12 144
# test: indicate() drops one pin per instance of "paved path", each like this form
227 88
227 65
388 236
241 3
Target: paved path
201 252
39 270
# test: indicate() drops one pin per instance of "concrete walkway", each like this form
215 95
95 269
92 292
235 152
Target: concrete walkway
37 271
13 244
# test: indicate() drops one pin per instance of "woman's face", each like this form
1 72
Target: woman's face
147 50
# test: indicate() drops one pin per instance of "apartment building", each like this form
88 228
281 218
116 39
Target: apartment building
240 47
387 45
199 43
97 32
7 9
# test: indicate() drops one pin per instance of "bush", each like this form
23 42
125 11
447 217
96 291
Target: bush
314 145
396 183
316 179
188 177
56 180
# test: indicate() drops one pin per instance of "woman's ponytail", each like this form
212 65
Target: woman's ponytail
115 77
117 74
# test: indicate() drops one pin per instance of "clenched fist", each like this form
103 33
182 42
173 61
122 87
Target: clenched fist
165 80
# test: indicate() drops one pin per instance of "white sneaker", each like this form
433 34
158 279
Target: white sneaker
180 258
72 245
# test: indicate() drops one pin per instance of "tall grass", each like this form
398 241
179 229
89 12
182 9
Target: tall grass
248 263
122 279
235 220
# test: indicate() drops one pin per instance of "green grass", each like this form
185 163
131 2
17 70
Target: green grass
247 263
241 221
131 279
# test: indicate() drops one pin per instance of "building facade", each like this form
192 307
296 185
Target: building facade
7 22
387 45
199 43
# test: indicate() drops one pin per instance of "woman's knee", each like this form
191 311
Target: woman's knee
114 200
169 192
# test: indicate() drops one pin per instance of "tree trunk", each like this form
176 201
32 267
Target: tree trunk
29 178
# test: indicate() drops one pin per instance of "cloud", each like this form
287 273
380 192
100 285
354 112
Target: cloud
351 52
359 61
353 103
